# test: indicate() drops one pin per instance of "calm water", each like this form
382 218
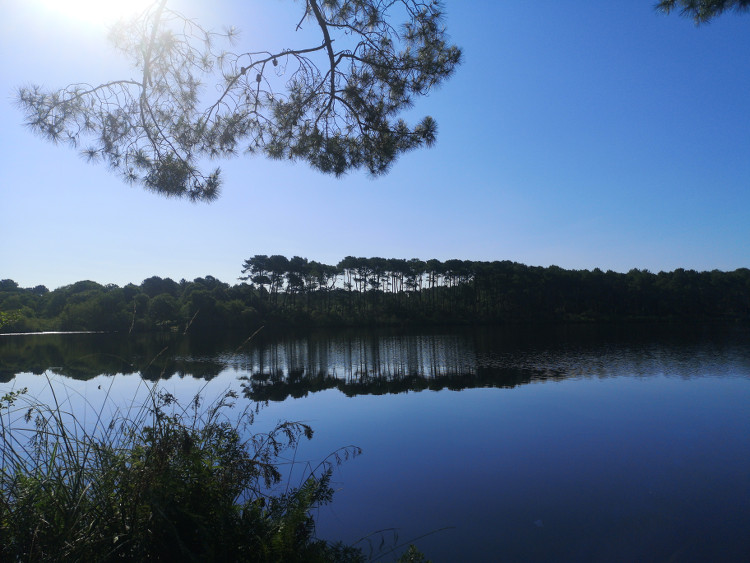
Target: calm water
566 444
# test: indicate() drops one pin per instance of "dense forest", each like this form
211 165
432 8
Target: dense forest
277 291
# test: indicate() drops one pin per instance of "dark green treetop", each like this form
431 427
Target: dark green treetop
335 102
702 11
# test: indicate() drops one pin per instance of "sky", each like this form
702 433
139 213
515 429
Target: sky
579 134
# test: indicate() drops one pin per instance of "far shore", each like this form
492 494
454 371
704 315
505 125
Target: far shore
54 332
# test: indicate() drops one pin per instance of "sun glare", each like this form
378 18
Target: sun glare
94 13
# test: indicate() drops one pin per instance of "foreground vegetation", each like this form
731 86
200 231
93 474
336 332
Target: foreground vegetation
158 482
375 291
164 482
161 482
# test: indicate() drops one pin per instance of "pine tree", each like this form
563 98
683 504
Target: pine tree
335 104
703 11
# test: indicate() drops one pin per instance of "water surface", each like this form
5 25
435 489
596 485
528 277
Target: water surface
556 444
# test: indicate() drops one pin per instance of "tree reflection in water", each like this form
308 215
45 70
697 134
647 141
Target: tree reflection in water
273 367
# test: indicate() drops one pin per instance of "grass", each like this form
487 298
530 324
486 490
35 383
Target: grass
157 482
160 481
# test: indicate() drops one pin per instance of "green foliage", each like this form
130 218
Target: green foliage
703 11
163 482
380 291
9 318
334 103
163 309
412 555
8 285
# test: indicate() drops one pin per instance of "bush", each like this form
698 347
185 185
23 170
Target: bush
160 482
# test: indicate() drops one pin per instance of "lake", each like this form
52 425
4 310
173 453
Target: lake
568 443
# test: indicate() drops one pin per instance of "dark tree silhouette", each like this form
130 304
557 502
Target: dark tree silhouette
703 11
298 292
334 103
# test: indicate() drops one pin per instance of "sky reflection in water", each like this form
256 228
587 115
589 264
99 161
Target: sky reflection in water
565 447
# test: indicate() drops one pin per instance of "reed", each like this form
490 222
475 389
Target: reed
158 480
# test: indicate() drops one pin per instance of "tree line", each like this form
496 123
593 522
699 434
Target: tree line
280 291
391 290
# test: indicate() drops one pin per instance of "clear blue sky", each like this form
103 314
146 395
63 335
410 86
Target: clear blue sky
582 134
